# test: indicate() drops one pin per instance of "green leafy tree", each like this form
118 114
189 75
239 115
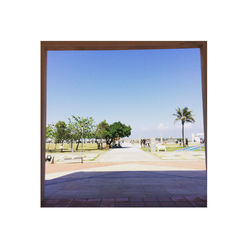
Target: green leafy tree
50 133
72 134
117 130
184 115
102 131
61 132
81 127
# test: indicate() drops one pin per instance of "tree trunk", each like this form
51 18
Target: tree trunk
77 145
98 144
183 134
55 147
108 142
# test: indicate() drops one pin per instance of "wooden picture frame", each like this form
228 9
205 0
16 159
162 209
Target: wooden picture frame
114 45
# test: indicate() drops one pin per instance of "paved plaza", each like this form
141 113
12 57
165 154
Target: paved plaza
126 177
181 155
129 189
128 152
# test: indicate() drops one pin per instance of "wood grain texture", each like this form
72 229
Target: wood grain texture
43 116
203 53
119 45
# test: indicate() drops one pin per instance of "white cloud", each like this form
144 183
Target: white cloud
162 127
187 125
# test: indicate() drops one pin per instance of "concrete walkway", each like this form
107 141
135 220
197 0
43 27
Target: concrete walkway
128 152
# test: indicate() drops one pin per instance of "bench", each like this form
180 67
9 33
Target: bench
74 158
161 147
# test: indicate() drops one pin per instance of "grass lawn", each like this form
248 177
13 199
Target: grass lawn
171 148
202 149
50 147
146 150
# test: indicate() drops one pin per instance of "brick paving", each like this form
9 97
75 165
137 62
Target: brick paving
121 202
131 178
62 167
127 189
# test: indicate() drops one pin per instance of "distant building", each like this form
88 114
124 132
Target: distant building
197 137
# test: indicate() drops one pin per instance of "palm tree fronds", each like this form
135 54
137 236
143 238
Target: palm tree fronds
183 115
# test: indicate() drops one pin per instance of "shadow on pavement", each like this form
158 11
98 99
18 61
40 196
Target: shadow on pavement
128 189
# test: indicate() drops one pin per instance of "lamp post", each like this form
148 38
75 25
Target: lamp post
72 142
82 136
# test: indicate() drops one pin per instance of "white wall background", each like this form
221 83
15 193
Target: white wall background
224 224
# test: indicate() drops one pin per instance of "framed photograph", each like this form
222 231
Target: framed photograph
124 124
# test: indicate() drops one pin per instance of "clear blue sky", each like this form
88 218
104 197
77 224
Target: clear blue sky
140 88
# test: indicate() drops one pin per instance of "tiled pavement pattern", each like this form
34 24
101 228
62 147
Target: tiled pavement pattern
181 155
126 202
128 189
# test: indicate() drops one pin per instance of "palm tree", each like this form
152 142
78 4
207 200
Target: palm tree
184 115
